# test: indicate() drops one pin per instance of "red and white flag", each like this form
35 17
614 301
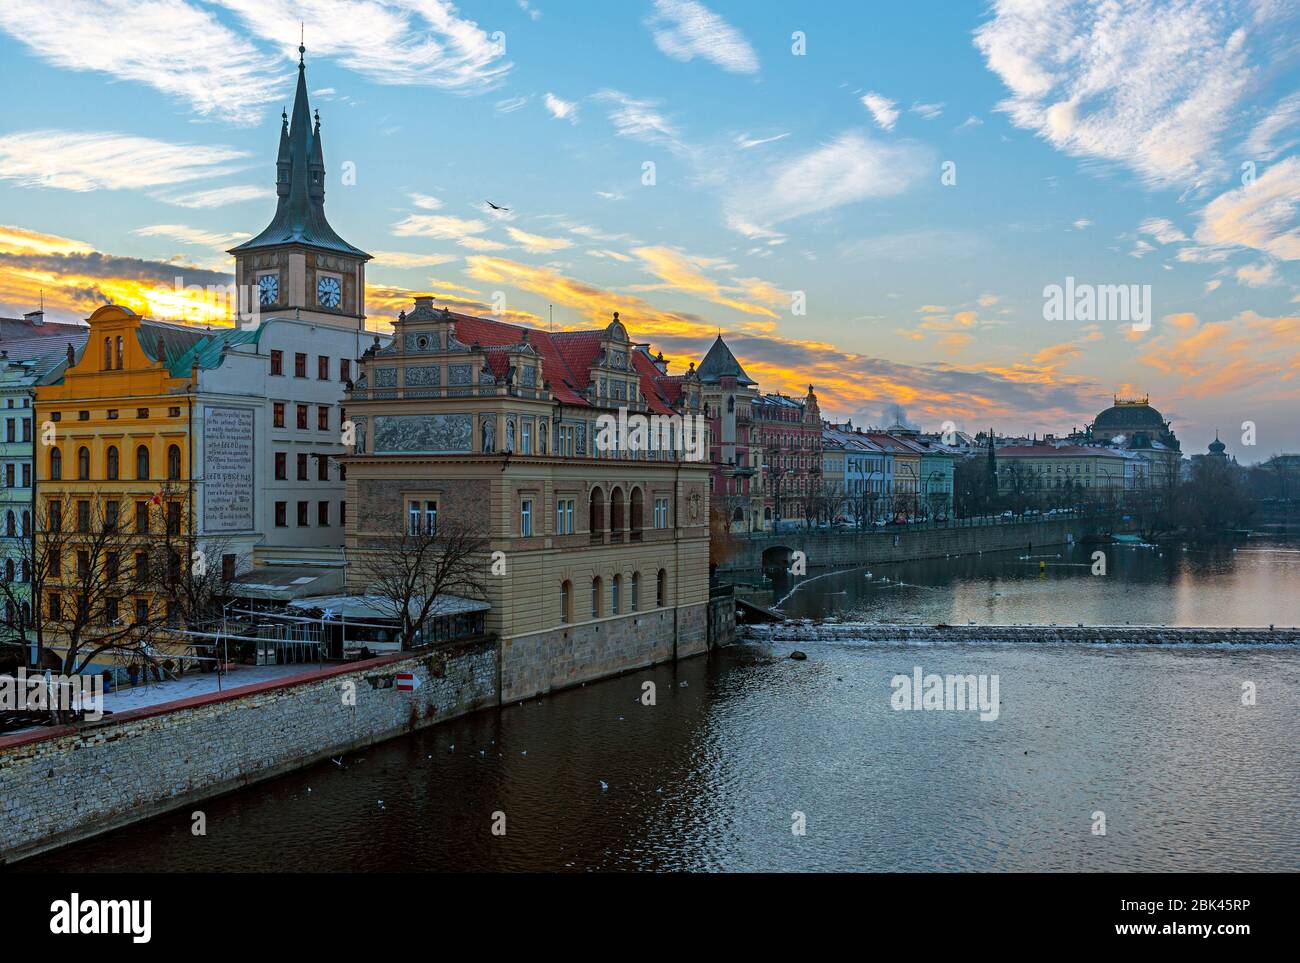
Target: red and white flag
407 682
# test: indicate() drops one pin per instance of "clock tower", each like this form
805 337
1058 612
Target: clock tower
298 266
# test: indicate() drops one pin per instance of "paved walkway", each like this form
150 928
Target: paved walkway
193 684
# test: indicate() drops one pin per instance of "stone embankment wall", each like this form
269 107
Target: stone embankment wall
64 784
1096 634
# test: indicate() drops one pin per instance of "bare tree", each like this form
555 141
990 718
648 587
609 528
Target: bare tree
410 561
93 589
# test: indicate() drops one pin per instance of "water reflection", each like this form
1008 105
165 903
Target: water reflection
1249 583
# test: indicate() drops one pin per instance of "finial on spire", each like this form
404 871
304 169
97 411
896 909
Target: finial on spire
302 42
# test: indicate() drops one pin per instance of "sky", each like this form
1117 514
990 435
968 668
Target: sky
873 198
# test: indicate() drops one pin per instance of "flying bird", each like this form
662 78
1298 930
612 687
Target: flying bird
495 207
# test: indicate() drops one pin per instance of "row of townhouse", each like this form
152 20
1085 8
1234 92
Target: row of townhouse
871 475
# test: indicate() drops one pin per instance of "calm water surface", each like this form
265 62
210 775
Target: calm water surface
708 779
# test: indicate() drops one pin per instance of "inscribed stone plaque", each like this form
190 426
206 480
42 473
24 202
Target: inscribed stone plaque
227 469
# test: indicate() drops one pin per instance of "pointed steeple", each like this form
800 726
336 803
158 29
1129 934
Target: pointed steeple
300 183
719 362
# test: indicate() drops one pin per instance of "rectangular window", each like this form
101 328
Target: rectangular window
11 476
323 514
113 565
27 475
56 606
141 566
83 516
83 564
302 417
56 515
303 508
322 368
281 469
526 517
281 514
173 412
27 428
112 414
142 517
277 362
10 429
227 568
526 438
110 611
345 369
277 417
111 512
323 417
343 513
322 467
302 466
141 611
173 518
300 365
142 412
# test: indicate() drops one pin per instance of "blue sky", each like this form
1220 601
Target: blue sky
1102 142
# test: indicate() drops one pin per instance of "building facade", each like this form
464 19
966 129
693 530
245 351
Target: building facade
729 394
788 431
605 548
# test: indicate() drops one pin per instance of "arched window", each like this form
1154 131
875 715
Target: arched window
111 463
108 354
119 352
174 462
566 601
142 462
27 613
27 523
9 570
635 512
615 596
595 597
661 589
636 591
11 527
9 613
596 520
56 464
616 510
83 463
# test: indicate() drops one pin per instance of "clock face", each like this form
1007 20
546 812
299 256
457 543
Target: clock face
268 288
329 292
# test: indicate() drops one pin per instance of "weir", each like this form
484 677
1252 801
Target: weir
808 631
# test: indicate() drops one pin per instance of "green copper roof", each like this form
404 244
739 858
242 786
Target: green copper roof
300 185
182 349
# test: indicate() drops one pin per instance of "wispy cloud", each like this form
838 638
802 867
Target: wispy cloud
684 30
884 110
640 119
561 109
442 226
1147 85
402 42
217 196
75 161
180 49
536 243
849 169
1262 215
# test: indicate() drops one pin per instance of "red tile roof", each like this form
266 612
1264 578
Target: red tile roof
567 357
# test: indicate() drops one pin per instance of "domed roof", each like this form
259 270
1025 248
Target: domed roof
1130 416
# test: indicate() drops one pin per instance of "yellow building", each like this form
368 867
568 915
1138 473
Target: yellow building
113 480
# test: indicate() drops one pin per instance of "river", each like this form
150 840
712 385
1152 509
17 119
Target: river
715 774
